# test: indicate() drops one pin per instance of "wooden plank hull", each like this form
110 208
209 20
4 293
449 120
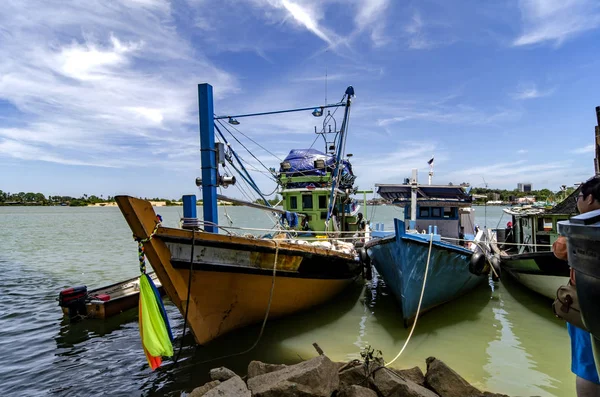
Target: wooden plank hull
401 261
231 276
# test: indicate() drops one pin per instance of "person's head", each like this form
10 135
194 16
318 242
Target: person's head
589 196
360 216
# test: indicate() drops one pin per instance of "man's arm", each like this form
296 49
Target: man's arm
560 248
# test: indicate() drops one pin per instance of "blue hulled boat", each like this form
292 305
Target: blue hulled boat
432 213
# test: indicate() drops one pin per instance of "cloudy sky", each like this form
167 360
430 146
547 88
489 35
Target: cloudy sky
100 97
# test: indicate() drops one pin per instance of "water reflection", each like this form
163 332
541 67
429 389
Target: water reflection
511 365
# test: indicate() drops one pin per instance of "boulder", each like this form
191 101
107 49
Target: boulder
414 374
256 368
317 377
390 384
488 394
233 387
356 391
202 390
358 374
221 374
446 382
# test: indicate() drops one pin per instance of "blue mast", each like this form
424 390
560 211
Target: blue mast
208 157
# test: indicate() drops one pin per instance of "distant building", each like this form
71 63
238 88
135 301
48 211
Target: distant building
524 187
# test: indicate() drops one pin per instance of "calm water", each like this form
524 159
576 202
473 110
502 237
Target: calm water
503 339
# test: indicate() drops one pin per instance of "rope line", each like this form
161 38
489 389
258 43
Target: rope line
264 323
420 301
141 241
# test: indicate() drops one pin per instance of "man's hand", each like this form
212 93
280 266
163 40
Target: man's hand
560 248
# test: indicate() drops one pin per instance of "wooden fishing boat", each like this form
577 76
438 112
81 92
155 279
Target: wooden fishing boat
432 212
221 282
525 249
104 302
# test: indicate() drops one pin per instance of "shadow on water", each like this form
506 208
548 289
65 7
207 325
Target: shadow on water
466 308
71 334
536 304
192 370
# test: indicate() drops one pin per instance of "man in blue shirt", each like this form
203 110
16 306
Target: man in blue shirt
582 356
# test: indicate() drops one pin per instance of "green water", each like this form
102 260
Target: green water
501 338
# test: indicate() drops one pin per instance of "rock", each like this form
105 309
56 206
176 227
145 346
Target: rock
256 368
221 374
233 387
446 382
356 391
202 390
317 377
488 394
414 374
390 384
358 374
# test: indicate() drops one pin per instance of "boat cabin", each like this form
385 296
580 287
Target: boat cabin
535 229
305 177
440 209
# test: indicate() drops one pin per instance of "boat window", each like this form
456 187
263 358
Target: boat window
436 212
450 212
423 212
324 215
322 202
293 203
307 202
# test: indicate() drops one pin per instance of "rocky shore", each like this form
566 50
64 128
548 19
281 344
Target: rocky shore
321 377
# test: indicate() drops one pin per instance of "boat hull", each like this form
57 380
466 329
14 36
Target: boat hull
232 276
541 272
122 296
401 261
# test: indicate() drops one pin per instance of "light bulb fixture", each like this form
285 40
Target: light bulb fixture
233 121
318 112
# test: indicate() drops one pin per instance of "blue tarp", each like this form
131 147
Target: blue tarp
302 162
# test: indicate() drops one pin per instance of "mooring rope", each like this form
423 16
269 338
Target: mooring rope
420 302
262 328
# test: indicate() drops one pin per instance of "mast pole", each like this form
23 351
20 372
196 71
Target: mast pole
413 199
338 159
208 157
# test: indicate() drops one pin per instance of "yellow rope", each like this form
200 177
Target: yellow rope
420 301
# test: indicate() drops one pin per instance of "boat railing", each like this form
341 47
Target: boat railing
294 235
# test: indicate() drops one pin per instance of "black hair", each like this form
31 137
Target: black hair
591 186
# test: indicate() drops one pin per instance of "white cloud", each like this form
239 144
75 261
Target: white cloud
371 15
459 114
415 29
585 149
98 85
522 151
306 17
556 20
531 92
507 175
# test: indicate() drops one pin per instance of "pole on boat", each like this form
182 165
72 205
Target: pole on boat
597 142
413 199
208 157
364 192
340 151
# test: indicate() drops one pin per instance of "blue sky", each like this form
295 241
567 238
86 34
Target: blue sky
100 97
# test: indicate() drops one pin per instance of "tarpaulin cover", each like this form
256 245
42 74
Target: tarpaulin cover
302 163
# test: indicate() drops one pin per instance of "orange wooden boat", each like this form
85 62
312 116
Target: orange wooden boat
232 276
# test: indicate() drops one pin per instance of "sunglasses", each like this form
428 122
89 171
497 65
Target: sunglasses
580 195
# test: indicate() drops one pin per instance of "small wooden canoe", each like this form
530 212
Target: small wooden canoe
103 302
